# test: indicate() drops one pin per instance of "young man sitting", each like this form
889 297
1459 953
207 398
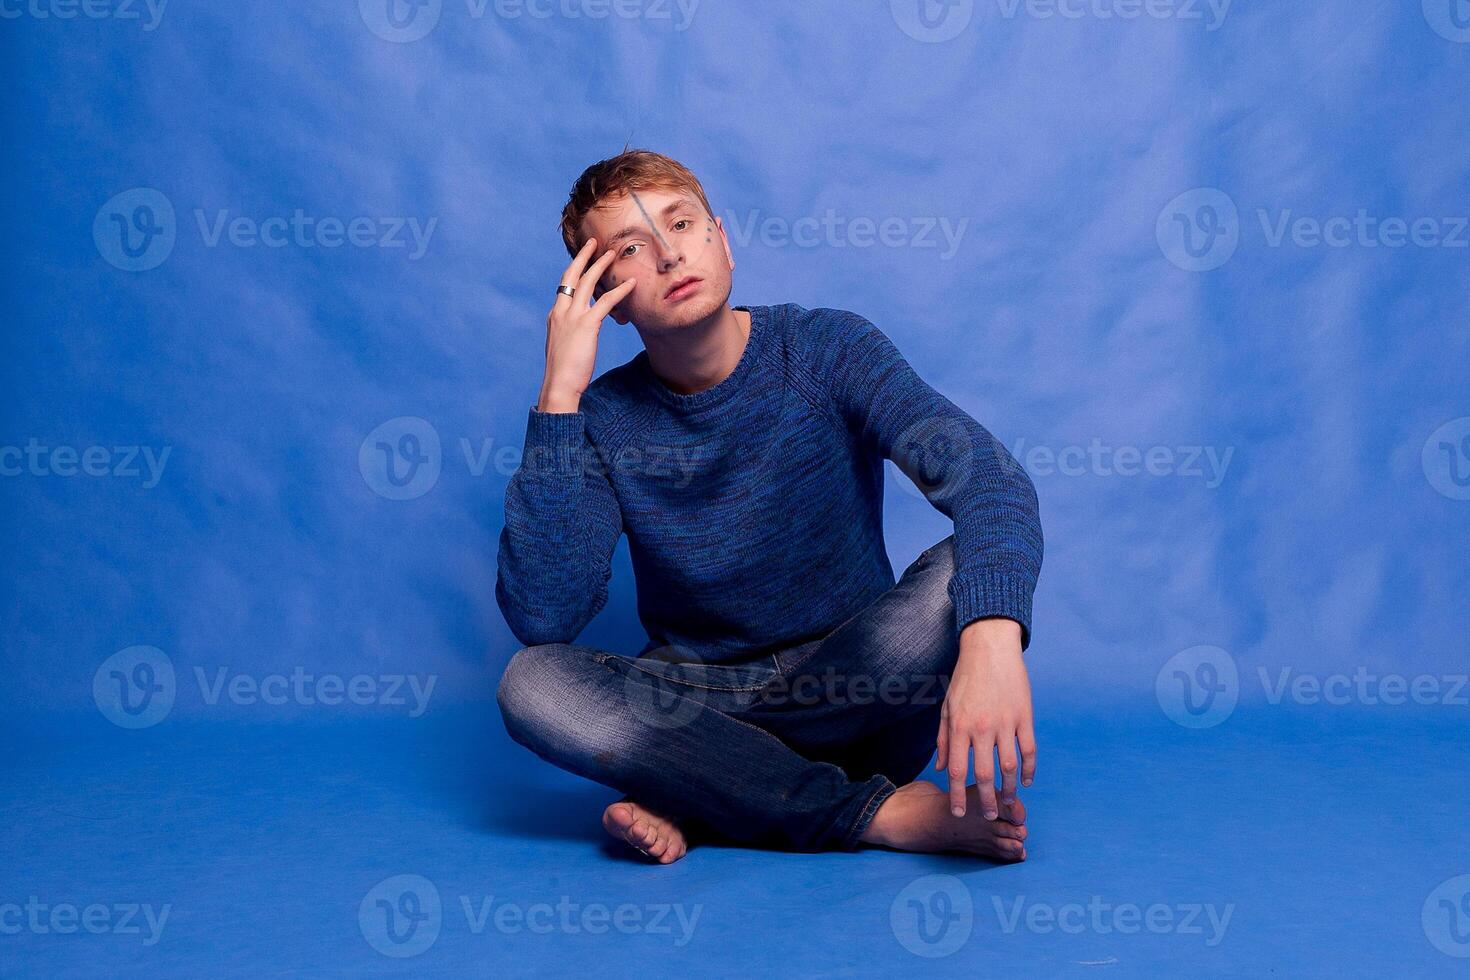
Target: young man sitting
791 692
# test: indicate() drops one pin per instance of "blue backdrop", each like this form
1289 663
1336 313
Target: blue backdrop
277 277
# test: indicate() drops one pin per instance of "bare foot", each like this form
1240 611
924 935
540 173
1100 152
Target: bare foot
655 836
917 818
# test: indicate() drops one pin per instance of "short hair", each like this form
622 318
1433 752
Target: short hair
630 170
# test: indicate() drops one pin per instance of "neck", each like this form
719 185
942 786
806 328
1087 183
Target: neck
701 355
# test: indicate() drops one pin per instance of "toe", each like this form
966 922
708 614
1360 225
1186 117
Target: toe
617 818
1008 831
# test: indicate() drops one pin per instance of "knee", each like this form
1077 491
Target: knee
940 553
527 694
934 568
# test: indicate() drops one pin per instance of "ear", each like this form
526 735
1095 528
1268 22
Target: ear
725 241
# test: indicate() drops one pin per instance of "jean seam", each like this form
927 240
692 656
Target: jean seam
870 809
702 687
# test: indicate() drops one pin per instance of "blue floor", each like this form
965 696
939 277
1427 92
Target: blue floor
1285 843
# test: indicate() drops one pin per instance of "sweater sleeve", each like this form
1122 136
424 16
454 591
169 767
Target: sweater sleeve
562 523
963 470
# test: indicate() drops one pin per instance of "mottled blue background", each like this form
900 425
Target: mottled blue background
1328 382
1058 320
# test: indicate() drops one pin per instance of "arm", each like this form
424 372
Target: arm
561 518
561 525
971 478
961 468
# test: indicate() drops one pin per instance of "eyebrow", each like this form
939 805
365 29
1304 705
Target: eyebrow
631 230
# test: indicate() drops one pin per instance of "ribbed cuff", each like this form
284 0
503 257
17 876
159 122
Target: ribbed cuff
553 441
983 594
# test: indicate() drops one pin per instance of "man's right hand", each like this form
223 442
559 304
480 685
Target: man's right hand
572 327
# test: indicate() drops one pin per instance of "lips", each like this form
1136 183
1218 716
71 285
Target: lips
682 288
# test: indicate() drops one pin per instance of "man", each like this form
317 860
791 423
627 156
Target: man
791 692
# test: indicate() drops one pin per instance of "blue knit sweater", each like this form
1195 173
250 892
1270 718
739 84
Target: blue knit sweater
753 508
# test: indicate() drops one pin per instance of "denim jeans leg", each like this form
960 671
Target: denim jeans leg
867 697
672 742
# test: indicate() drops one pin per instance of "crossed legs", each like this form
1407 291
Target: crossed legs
802 750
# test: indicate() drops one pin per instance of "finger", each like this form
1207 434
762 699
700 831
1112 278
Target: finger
593 275
942 754
574 268
1027 737
612 297
1008 767
959 769
572 274
985 776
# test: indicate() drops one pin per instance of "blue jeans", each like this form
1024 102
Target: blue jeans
796 749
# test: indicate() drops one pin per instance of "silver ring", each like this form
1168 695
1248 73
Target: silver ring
566 290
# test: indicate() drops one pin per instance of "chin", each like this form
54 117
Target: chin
684 315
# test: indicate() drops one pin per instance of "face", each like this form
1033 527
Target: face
662 238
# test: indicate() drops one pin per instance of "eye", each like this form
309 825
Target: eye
682 221
628 250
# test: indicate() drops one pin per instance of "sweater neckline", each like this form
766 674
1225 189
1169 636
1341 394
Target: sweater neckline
725 387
